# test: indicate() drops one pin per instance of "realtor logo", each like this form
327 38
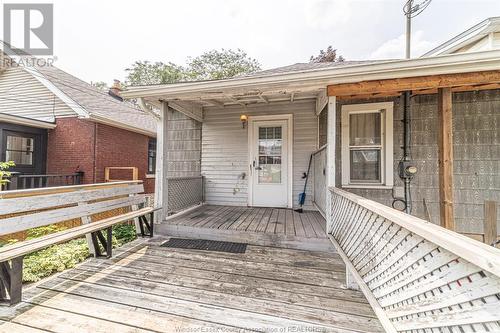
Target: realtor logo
29 28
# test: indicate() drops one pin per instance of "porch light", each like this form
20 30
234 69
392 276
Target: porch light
244 119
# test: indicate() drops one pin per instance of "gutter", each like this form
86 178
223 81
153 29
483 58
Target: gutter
102 120
445 64
26 121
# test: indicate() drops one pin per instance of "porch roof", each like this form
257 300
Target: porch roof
301 83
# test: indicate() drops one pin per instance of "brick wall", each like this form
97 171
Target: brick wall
74 142
121 148
70 146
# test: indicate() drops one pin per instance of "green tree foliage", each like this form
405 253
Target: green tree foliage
4 172
330 55
211 65
147 73
223 64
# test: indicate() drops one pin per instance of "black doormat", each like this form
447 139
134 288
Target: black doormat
207 245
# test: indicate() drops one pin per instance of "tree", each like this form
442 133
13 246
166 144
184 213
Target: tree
147 73
4 172
101 85
223 64
330 55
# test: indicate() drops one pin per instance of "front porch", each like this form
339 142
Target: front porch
259 226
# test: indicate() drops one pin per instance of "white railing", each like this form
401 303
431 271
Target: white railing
319 168
417 276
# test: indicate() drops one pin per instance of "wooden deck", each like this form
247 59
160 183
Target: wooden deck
148 288
260 226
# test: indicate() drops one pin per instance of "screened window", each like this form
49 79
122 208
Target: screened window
367 144
152 156
20 149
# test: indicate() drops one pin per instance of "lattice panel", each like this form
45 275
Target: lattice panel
184 192
421 286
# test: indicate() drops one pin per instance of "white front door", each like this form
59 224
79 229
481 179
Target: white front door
269 163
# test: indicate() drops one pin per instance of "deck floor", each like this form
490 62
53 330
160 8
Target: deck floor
260 226
148 288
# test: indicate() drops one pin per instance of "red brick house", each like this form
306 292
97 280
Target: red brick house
54 123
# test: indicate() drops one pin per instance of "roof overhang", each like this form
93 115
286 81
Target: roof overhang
26 121
106 121
467 37
320 78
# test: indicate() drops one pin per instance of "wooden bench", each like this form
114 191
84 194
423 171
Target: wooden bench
25 209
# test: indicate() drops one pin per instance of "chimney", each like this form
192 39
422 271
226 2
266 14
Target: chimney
115 90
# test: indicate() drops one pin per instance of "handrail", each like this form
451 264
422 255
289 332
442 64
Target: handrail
417 276
485 256
35 191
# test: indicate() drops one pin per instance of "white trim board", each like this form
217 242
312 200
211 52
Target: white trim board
387 165
251 120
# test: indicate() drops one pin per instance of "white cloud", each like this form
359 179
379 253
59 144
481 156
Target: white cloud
324 14
395 48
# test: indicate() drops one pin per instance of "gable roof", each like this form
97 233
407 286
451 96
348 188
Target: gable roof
467 38
89 102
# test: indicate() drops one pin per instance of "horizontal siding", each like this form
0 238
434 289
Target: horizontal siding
23 95
224 161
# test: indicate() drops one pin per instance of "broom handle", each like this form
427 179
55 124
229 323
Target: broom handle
307 175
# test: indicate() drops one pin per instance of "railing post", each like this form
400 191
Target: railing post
161 180
14 178
330 158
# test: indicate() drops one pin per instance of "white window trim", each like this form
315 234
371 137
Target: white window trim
387 165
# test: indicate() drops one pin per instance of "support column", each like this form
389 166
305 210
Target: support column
330 157
445 143
161 180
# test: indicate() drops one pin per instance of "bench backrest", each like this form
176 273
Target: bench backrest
25 209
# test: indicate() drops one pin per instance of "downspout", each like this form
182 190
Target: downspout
94 173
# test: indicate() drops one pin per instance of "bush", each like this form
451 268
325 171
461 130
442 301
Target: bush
59 257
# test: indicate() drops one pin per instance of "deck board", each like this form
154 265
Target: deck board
148 288
255 225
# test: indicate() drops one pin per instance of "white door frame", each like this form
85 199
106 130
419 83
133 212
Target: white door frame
251 121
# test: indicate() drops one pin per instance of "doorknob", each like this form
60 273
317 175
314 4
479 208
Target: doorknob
256 167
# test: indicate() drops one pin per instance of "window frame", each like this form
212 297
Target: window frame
153 166
386 110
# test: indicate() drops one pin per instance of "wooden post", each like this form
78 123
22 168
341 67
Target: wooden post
161 181
445 144
490 222
330 157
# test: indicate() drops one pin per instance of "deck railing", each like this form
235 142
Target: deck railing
319 184
184 192
24 181
417 276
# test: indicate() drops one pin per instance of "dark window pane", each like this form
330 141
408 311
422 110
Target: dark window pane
365 166
20 150
365 129
151 156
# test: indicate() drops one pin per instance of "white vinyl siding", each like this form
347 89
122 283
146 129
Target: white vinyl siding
224 161
23 95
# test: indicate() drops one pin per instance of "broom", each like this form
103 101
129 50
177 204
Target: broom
302 196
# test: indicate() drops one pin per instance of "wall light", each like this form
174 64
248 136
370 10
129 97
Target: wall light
244 119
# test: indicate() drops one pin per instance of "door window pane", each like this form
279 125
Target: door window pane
270 150
20 150
365 166
365 129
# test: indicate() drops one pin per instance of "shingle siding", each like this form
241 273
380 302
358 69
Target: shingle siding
476 138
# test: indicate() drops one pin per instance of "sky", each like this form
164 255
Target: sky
97 40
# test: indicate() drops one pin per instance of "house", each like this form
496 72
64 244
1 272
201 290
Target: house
481 37
52 123
351 115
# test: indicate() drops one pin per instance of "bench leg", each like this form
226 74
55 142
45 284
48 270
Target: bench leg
99 240
11 281
145 224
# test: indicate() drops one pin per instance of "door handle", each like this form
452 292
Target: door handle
256 167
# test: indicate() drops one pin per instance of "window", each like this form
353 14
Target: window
152 156
367 159
270 150
20 149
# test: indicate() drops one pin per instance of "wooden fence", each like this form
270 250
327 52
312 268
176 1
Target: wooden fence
417 276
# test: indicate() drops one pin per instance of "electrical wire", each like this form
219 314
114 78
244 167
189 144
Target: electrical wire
412 10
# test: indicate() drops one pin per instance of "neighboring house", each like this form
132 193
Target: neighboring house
350 116
54 123
483 36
